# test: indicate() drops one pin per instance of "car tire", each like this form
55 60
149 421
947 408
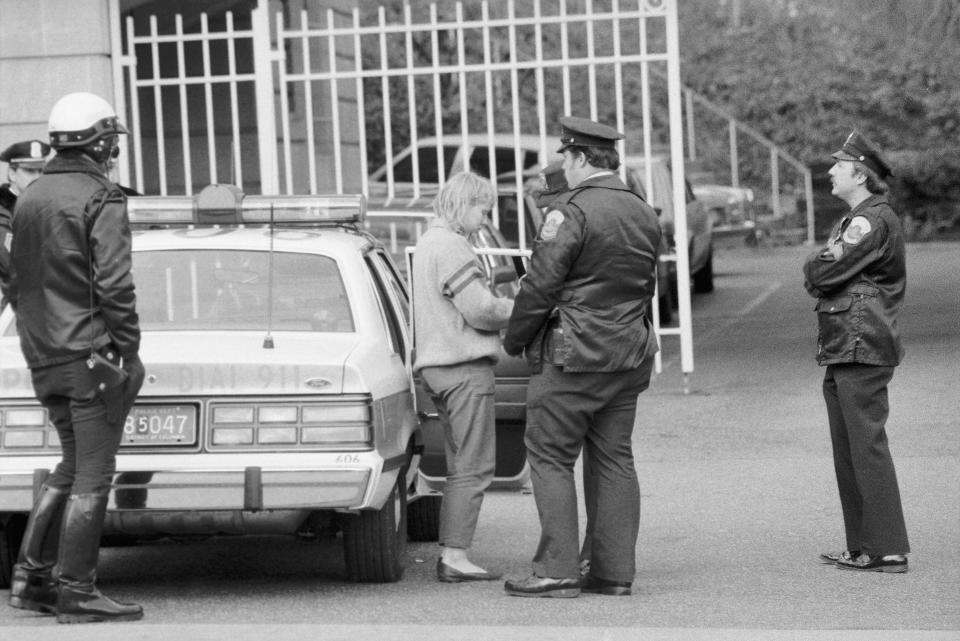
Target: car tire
423 518
11 536
375 541
703 279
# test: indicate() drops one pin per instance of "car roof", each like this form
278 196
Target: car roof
330 241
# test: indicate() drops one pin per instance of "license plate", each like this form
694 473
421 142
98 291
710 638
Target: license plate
161 425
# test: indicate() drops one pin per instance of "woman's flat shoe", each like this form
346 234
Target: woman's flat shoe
447 574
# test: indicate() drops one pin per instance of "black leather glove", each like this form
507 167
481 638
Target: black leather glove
135 371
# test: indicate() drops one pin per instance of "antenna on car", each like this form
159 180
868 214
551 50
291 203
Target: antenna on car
268 339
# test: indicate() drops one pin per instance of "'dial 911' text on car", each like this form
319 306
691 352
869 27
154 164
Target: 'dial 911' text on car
278 396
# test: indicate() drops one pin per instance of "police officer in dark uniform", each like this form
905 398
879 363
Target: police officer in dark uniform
73 292
24 163
859 279
580 319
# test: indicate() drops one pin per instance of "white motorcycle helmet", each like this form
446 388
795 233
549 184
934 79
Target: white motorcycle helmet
85 121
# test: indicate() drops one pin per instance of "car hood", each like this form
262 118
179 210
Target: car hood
227 363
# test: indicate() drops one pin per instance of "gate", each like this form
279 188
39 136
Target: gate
317 100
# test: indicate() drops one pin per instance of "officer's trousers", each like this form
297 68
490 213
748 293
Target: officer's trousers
594 411
857 406
89 424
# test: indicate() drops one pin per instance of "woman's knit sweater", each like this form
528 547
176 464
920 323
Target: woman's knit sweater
456 317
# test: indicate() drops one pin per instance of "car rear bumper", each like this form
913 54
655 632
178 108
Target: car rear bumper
363 482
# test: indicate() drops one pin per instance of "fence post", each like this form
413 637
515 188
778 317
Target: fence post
263 86
775 182
734 154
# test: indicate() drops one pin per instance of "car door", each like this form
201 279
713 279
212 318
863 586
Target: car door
512 374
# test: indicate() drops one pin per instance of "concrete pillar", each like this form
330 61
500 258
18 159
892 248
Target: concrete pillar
49 48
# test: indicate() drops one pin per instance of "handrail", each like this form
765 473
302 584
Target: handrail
776 153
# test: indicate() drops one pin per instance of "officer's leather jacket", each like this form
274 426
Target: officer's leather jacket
69 221
592 274
860 293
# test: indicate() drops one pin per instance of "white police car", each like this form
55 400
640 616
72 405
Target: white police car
278 396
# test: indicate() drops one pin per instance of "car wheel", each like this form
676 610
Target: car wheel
423 518
703 279
11 535
375 541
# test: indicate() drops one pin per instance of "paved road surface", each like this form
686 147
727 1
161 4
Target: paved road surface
738 499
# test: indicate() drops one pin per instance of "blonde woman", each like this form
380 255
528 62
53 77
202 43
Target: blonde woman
456 325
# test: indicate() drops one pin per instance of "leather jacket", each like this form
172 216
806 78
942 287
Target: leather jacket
71 222
860 284
590 281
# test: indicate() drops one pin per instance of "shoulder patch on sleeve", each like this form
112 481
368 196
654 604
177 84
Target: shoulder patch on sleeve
551 225
856 230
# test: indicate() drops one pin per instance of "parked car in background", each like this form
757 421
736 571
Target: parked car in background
659 193
279 392
421 166
731 208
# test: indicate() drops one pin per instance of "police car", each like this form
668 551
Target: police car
278 396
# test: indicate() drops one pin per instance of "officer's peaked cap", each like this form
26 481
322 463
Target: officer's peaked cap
586 133
30 153
859 148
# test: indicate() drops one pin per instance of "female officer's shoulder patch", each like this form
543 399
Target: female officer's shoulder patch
551 225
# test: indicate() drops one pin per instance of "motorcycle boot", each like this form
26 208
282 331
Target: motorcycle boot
32 586
78 599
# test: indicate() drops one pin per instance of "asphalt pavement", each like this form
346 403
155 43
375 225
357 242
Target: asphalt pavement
738 500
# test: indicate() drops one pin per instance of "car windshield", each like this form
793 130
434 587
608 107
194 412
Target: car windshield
231 290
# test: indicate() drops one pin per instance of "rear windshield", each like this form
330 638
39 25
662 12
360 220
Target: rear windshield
231 290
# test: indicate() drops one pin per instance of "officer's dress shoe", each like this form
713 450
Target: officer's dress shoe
892 563
543 587
834 557
595 585
447 574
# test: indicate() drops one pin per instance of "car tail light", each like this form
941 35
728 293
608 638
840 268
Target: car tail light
26 428
255 425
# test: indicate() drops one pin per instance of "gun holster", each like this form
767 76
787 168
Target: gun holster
106 371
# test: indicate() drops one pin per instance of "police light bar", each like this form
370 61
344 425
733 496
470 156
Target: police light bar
226 205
